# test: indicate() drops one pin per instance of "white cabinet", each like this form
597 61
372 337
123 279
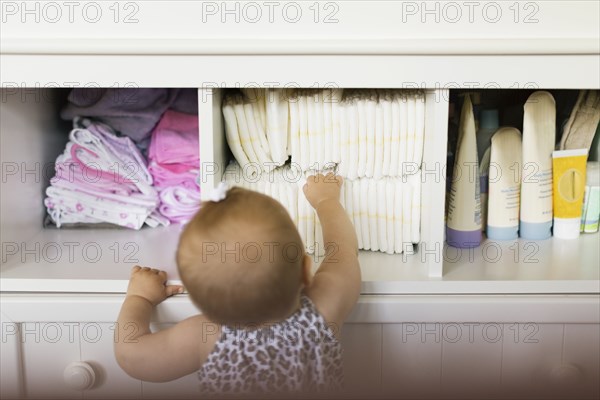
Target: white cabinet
402 338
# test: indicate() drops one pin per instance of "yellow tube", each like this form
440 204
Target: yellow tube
568 189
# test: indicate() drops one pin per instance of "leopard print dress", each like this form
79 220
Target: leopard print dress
299 354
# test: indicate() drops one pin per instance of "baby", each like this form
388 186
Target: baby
267 325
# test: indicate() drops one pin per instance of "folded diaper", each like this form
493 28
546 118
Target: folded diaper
328 127
277 124
398 217
371 106
336 101
363 130
344 147
382 215
304 160
402 101
390 217
419 128
379 145
395 154
364 213
411 128
356 148
386 104
232 134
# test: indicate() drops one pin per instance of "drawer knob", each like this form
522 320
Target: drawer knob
565 373
79 376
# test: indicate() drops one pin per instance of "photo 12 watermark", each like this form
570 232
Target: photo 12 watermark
54 12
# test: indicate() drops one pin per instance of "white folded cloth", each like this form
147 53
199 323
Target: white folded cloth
232 134
244 132
327 107
395 156
411 105
294 129
313 142
355 146
398 216
277 123
415 222
403 155
364 213
356 217
343 130
266 164
319 131
407 217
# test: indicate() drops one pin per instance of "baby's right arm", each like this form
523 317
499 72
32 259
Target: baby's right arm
336 285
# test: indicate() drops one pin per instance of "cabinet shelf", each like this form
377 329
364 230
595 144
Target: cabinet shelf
35 259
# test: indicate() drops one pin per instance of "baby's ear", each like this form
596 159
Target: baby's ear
306 273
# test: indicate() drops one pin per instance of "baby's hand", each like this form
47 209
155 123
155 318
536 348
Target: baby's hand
319 188
151 284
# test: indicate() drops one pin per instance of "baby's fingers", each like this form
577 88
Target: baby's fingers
171 290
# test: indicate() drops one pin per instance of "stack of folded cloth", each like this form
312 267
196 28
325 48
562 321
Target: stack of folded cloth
386 212
174 162
101 178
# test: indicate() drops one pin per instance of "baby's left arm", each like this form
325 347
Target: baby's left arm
161 356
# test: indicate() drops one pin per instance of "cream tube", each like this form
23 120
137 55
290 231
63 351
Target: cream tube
344 140
463 228
328 126
539 130
356 211
591 207
382 215
362 136
387 133
371 105
304 160
398 215
389 215
504 189
294 127
484 168
372 213
319 130
395 140
336 101
419 128
403 103
232 134
568 188
415 222
379 145
364 213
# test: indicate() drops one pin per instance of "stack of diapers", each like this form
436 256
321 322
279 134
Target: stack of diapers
386 212
101 178
256 128
174 162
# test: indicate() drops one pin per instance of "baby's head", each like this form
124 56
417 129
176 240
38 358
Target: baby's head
242 259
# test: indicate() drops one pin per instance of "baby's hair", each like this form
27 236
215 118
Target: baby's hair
241 259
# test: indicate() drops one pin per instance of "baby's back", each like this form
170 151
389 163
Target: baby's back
298 354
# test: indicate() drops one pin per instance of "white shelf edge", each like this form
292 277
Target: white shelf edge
96 308
282 46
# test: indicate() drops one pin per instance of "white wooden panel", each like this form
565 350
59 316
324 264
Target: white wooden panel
412 360
186 387
529 353
97 349
48 347
11 371
362 344
471 358
582 349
